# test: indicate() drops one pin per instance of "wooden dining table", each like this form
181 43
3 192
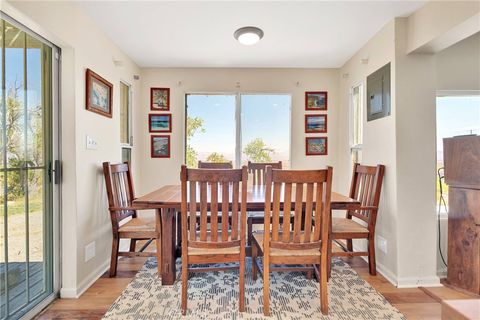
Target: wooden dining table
167 201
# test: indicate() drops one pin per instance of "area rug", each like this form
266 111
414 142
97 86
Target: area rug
214 295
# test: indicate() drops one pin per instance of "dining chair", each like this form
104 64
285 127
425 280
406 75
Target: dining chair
366 186
298 242
120 194
215 165
221 239
257 170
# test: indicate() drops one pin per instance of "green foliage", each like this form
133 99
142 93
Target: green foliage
194 125
216 158
257 151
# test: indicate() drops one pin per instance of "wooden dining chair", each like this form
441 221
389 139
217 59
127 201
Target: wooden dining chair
215 165
223 193
300 241
365 187
257 170
120 194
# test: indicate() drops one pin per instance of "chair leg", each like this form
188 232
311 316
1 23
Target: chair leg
329 258
371 257
310 274
241 305
323 285
133 242
249 231
254 262
266 286
350 245
184 282
114 257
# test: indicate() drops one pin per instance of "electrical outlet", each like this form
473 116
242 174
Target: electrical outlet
382 244
91 143
89 251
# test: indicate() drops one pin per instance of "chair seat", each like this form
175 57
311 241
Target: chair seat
208 251
258 238
344 225
144 222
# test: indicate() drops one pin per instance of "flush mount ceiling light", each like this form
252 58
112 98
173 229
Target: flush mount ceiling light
248 35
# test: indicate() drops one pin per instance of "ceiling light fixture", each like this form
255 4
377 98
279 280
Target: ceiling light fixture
248 35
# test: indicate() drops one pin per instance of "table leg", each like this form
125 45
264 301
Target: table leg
168 245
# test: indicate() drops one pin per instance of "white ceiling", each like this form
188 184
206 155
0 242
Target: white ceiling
315 34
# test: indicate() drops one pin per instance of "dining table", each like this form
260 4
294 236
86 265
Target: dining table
167 202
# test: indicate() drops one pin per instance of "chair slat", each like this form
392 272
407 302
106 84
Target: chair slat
258 171
203 211
214 210
276 211
287 206
318 212
235 200
308 211
297 222
193 210
225 203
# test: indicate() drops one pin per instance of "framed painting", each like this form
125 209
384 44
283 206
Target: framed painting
316 100
160 146
316 146
160 99
98 94
316 123
159 122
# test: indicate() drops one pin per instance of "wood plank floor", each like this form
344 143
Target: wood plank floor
413 303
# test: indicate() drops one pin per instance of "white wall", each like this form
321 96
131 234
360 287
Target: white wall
156 172
84 215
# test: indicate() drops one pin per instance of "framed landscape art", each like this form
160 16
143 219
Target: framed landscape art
98 96
160 99
160 146
316 100
315 123
316 146
159 122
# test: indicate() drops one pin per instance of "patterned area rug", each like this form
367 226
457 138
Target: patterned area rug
214 295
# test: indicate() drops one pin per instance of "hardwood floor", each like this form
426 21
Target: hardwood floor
413 303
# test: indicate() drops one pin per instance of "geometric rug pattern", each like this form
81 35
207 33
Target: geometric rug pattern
214 295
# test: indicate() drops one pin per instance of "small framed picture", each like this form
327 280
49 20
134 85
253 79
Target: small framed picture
316 146
316 123
160 146
316 100
159 122
98 97
160 99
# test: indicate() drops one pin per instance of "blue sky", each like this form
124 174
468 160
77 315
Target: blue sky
263 116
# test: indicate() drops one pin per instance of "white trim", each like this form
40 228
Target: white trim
447 93
75 293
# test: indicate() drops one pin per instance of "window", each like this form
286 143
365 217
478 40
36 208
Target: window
456 115
125 122
356 132
237 128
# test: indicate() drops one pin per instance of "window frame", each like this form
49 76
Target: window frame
238 120
129 143
356 147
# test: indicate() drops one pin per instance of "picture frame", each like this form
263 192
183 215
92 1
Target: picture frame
160 122
160 146
98 94
316 100
316 146
160 99
315 123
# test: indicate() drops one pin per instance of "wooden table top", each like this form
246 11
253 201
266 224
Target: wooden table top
171 196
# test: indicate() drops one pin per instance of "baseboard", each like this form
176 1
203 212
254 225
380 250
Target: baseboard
75 293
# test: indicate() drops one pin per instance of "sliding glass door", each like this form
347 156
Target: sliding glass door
26 224
237 128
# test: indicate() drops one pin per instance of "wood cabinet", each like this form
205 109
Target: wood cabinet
462 174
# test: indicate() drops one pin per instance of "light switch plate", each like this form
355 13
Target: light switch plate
91 143
382 244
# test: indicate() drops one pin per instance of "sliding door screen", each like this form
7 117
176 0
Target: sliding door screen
237 128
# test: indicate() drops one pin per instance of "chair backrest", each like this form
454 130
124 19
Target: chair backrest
217 191
120 192
302 190
215 165
366 186
258 170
